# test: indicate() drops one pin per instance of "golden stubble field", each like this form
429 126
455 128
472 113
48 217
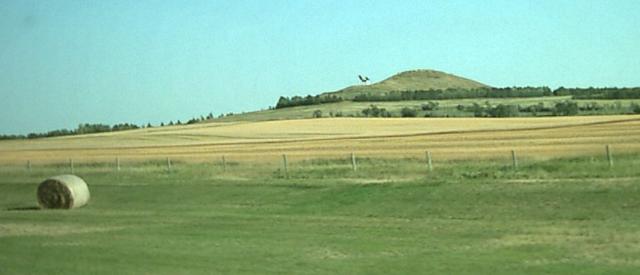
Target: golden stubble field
447 138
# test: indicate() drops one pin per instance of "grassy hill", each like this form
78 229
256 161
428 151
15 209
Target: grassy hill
411 80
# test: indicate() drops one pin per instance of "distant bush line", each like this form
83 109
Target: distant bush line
456 94
85 128
285 102
564 108
599 93
508 92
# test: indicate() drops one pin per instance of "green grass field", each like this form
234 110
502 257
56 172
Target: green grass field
391 216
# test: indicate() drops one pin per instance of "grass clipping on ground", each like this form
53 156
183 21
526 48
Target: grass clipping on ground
63 192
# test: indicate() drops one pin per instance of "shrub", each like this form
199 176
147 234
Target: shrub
374 111
317 114
591 106
430 106
504 111
534 109
635 108
565 108
408 112
477 110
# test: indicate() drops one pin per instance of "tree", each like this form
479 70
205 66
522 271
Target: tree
317 114
283 102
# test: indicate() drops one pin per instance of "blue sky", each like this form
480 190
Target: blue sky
68 62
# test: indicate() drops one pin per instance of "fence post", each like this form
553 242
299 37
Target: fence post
71 165
429 163
29 166
168 164
609 155
286 168
354 165
514 159
224 164
117 164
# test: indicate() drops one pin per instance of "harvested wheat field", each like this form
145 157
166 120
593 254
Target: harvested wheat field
447 138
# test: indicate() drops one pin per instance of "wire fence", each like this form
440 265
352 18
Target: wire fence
283 163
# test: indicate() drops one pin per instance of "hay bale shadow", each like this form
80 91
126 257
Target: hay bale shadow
23 208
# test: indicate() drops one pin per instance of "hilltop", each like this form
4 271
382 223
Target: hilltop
411 81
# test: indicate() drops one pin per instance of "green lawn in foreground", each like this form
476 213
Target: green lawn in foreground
562 216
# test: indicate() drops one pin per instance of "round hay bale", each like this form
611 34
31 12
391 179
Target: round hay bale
63 192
